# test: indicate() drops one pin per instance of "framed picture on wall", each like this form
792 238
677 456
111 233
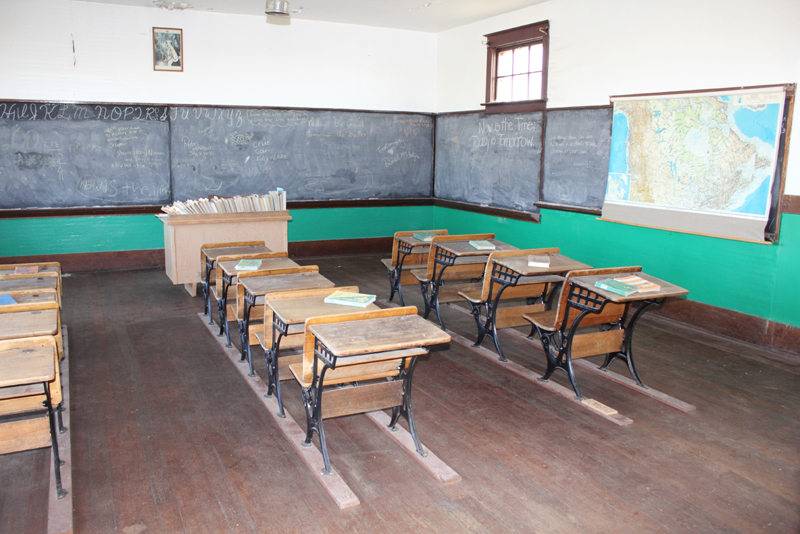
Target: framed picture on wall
168 49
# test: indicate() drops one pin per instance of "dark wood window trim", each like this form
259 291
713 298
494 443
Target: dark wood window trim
531 33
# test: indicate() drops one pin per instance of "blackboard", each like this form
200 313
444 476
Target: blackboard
577 144
490 160
70 155
312 154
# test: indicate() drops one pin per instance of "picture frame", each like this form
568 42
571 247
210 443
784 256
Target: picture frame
168 49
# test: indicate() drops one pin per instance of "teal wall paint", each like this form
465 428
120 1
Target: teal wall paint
746 277
69 235
355 223
786 294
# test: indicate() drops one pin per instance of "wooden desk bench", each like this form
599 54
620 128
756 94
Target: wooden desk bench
36 314
363 349
208 257
581 304
49 268
499 284
227 279
407 254
28 389
289 311
253 289
452 258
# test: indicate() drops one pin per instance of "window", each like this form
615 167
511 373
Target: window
516 69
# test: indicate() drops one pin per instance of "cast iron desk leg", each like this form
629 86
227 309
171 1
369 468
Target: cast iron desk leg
249 302
207 291
627 348
279 329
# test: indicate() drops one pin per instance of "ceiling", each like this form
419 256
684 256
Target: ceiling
419 15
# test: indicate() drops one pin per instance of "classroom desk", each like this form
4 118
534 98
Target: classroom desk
447 254
229 277
253 289
289 317
336 343
405 245
210 256
42 316
34 323
584 291
44 269
509 271
39 283
31 366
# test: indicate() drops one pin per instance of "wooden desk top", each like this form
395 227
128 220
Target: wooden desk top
27 297
383 334
463 248
48 269
214 253
559 264
267 264
44 282
261 285
23 366
413 241
667 289
296 311
28 324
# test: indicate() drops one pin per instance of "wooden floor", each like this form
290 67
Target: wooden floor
167 437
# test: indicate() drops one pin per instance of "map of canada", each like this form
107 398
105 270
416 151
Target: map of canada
700 153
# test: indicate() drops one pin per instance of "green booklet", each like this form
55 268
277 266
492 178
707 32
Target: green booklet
424 236
348 298
615 286
248 265
482 244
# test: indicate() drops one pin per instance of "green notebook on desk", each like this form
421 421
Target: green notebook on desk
248 265
615 286
424 236
347 298
482 244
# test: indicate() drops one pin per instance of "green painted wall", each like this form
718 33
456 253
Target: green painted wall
68 235
354 223
756 279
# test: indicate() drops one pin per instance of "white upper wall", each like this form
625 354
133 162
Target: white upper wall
229 59
617 47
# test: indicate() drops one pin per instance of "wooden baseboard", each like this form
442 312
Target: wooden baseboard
733 324
123 260
340 247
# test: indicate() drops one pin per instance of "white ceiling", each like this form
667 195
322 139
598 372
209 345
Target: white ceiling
419 15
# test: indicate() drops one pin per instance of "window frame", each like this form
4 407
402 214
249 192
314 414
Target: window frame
538 32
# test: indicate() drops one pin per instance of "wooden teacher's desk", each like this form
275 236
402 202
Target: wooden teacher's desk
509 271
289 316
184 235
251 291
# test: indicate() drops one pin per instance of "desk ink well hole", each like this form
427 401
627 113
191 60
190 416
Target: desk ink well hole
27 351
